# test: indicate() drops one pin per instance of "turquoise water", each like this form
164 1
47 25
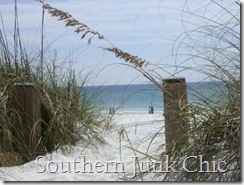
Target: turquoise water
138 98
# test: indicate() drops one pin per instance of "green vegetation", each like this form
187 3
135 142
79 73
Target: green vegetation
74 116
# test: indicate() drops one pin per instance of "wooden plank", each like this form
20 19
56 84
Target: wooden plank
174 102
30 111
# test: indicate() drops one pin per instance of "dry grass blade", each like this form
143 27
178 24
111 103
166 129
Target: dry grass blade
132 59
71 22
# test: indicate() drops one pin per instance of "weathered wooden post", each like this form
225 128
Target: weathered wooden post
30 112
175 99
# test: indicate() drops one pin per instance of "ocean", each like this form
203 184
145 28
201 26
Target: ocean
137 98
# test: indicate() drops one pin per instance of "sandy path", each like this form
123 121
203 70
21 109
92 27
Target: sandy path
112 161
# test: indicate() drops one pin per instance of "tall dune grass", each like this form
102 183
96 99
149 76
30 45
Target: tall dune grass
74 116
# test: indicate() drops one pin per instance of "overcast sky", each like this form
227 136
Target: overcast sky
147 28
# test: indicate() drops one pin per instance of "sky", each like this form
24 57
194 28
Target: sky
146 28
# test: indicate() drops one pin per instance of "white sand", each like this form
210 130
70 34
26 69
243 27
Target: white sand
141 130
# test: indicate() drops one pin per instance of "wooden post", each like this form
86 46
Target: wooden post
30 112
175 100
